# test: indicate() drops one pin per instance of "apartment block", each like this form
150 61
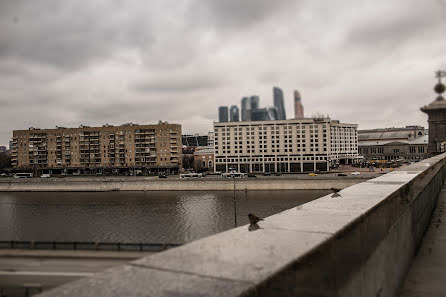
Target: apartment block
297 145
125 147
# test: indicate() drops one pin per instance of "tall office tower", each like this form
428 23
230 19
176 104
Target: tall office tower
246 109
279 104
260 114
272 113
298 107
254 102
234 114
223 114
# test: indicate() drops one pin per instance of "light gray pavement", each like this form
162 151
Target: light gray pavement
19 268
427 275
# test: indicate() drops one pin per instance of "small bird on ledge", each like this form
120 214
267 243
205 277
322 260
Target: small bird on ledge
253 219
335 192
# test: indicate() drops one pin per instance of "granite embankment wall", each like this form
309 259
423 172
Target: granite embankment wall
359 244
175 184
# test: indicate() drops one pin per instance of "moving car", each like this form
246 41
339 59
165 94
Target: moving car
355 173
312 174
45 175
342 174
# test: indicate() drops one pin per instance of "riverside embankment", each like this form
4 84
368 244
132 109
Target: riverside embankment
213 183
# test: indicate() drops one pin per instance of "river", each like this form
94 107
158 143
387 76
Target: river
150 217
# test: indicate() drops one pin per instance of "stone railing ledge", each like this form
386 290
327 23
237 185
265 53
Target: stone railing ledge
357 244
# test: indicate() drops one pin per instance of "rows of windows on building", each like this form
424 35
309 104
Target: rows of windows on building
408 143
125 147
251 111
284 146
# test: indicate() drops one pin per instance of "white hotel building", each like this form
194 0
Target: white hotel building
299 145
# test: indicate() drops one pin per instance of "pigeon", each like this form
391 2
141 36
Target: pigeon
335 192
253 219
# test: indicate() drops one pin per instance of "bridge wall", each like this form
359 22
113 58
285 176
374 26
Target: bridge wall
206 184
359 244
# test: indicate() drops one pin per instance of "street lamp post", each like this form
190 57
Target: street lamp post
233 198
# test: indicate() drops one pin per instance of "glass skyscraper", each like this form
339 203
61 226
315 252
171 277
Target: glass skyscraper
246 109
234 114
279 103
254 102
223 114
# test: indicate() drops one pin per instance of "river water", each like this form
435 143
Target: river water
150 217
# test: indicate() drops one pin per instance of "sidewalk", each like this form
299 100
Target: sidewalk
427 275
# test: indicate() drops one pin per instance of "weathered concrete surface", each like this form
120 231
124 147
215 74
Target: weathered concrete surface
176 184
358 244
426 276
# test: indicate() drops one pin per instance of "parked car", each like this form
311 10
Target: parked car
45 175
278 174
252 175
312 174
162 176
3 174
355 173
342 174
76 173
266 174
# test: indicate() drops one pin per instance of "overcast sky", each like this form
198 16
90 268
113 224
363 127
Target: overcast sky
93 62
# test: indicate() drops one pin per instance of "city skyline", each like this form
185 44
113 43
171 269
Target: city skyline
121 62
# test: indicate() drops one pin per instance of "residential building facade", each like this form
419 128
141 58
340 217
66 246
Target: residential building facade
97 149
210 139
297 145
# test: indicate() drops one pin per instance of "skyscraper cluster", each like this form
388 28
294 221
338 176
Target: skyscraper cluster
251 111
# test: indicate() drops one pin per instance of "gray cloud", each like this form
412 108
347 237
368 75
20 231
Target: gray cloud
71 62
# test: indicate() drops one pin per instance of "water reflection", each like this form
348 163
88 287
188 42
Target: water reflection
152 217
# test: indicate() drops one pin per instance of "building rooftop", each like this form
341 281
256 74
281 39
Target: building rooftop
392 134
420 140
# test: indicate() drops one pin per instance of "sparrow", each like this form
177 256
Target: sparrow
253 219
335 192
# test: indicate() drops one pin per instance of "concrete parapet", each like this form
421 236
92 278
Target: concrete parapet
358 244
150 184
